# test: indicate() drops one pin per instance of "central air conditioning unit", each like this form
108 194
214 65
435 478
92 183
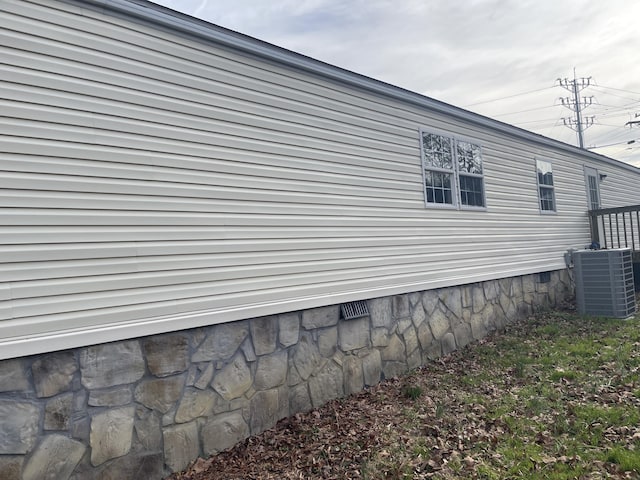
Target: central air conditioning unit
604 282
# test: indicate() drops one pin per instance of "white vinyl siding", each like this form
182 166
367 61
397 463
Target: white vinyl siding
153 182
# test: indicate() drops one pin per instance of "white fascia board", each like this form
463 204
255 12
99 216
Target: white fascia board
165 18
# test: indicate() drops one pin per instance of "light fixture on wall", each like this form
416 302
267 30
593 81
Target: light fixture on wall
603 176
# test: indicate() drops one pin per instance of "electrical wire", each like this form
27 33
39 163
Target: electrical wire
618 89
547 120
507 97
525 111
615 132
610 134
610 125
613 94
614 113
613 106
629 142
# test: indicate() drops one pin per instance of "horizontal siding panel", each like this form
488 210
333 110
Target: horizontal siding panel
291 180
89 135
342 224
16 235
204 97
34 87
64 152
187 111
217 132
213 66
356 278
88 201
34 252
192 312
217 212
297 192
341 257
209 280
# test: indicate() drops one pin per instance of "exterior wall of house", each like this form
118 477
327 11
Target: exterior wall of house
141 408
154 181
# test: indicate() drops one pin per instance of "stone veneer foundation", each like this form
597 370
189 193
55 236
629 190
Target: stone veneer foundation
142 408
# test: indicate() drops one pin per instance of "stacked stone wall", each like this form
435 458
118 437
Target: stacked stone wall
145 407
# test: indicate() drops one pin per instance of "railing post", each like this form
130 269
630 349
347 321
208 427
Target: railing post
595 228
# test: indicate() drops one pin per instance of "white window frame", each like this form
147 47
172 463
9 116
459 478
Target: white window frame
552 187
455 173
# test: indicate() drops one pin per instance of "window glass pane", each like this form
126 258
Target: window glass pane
445 179
593 192
437 180
447 197
438 187
546 199
471 191
430 197
545 173
428 178
469 158
437 151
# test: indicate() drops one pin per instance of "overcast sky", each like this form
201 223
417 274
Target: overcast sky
499 58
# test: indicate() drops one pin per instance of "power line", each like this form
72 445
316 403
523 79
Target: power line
627 105
617 89
613 133
610 115
524 111
555 125
614 95
618 134
610 125
629 142
547 120
615 112
507 97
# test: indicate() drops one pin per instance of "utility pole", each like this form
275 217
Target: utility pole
576 104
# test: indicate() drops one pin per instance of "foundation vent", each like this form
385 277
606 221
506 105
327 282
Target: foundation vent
353 310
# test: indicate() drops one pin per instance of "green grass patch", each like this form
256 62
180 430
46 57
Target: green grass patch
627 460
412 392
562 374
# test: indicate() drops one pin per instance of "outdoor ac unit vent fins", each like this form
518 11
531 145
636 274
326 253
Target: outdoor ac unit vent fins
353 310
604 282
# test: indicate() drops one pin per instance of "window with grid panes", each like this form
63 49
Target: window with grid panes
546 192
453 173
